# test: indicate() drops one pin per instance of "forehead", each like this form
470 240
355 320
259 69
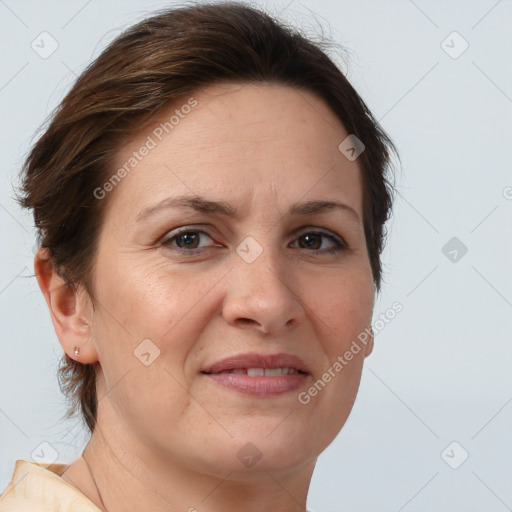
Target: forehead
239 141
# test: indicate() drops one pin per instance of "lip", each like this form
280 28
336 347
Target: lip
261 386
255 360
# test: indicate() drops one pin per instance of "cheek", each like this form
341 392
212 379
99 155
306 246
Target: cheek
168 304
140 304
343 305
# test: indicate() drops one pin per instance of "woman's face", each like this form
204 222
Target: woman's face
216 244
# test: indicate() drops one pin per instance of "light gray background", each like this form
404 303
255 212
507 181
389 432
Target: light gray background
441 370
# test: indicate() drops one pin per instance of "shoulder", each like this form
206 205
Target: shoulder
39 487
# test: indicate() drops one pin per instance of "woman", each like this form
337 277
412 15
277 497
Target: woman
210 198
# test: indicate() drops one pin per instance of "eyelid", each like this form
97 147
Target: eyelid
181 230
321 231
340 243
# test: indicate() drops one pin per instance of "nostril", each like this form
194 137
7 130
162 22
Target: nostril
247 321
250 322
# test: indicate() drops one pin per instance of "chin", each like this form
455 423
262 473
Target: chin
250 460
282 447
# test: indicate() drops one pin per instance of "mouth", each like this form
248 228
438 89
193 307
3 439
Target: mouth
258 374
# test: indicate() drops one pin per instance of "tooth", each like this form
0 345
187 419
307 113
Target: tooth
275 372
255 372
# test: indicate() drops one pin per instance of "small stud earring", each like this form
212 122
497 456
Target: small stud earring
77 351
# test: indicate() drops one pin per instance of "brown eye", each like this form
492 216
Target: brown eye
188 240
319 242
310 241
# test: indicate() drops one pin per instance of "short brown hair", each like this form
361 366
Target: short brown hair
151 64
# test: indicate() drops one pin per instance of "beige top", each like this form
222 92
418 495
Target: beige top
39 488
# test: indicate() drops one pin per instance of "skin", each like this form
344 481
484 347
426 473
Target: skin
167 437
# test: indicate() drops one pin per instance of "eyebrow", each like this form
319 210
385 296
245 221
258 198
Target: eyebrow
312 207
195 202
203 205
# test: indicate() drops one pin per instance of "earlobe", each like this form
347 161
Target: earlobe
68 310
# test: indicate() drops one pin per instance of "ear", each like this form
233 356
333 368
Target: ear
369 344
70 310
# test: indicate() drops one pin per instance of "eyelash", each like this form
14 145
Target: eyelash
340 244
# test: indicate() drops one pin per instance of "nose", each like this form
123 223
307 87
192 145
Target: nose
261 297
